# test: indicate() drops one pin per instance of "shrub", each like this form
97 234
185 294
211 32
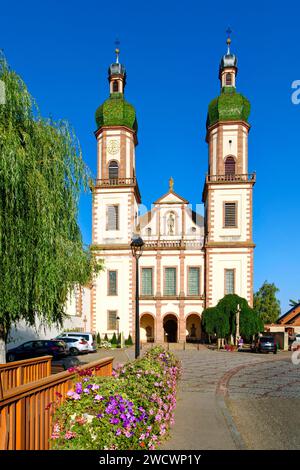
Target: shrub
129 341
105 337
129 411
114 339
98 339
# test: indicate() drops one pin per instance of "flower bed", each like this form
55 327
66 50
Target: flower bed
133 409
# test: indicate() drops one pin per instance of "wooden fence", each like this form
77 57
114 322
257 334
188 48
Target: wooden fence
26 419
18 373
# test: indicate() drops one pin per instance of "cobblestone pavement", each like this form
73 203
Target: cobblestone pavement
264 401
199 419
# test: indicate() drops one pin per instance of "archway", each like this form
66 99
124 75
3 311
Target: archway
193 328
170 328
147 328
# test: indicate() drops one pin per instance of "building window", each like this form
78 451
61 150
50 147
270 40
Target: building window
147 281
230 214
149 232
112 319
115 86
193 281
112 222
229 166
113 170
170 281
229 281
228 79
112 283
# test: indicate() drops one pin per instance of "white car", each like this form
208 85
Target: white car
74 345
89 337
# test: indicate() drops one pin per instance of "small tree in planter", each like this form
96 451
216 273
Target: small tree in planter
105 337
114 340
98 339
129 341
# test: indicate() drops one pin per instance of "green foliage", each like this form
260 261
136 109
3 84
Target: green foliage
229 106
128 341
116 111
130 411
266 303
294 303
105 337
114 339
41 176
98 339
221 320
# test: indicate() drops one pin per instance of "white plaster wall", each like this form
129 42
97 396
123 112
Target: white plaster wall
121 263
229 260
234 194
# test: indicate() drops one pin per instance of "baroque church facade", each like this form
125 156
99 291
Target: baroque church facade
189 262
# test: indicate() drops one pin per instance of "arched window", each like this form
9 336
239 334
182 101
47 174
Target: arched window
148 231
228 79
115 86
113 170
229 166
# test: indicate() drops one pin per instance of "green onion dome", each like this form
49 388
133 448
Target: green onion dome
229 106
116 111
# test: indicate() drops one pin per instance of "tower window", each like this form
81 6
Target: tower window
230 214
112 283
228 79
113 170
115 86
229 166
149 232
112 218
112 320
229 281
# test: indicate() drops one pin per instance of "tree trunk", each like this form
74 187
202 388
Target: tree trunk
2 344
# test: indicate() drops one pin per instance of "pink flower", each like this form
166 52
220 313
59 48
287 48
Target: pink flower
70 435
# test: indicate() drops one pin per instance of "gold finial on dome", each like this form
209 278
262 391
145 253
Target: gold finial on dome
171 184
117 50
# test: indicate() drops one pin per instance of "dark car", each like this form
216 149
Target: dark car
37 348
265 344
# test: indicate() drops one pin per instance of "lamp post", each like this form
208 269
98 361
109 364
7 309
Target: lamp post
137 245
237 332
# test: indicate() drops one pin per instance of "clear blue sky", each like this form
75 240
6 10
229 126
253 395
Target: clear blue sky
171 50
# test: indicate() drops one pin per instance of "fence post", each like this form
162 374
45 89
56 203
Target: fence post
1 389
19 376
49 363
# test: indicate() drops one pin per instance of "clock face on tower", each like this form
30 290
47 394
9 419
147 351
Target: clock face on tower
113 147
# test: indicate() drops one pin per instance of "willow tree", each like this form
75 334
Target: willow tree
42 173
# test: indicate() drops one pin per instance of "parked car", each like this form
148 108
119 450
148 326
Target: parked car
89 337
75 346
37 348
264 344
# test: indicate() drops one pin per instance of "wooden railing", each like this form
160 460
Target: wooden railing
18 373
26 414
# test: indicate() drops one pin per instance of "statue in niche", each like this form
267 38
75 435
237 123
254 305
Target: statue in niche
171 224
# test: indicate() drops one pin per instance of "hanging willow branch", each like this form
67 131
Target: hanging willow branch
41 176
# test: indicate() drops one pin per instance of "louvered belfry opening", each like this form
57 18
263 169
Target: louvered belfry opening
113 171
229 166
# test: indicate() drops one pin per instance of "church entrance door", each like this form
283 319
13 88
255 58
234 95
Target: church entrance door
170 329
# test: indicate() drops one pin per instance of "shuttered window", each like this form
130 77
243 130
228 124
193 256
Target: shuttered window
112 282
229 166
113 170
229 281
230 214
112 320
170 281
228 79
147 281
112 218
194 281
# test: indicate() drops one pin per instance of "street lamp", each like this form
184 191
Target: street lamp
137 245
118 329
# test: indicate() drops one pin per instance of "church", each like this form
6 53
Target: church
189 262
